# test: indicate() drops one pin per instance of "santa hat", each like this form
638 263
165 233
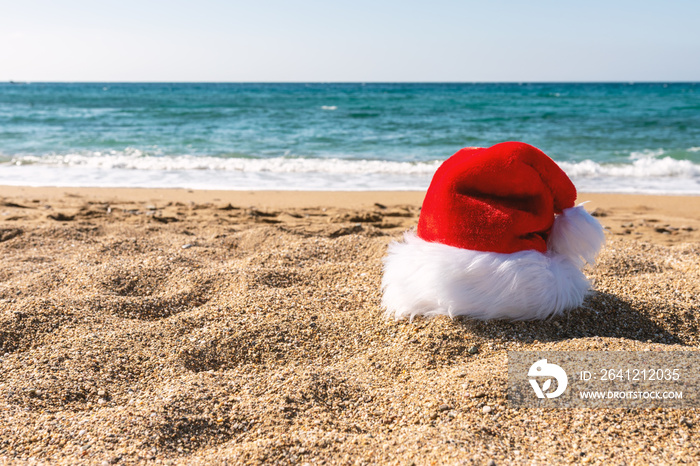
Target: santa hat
498 238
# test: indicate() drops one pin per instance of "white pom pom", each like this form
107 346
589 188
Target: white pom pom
576 235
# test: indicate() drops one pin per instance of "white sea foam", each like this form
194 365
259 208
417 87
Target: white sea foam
639 168
132 168
135 160
329 107
646 154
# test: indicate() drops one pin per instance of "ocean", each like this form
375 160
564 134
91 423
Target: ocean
609 137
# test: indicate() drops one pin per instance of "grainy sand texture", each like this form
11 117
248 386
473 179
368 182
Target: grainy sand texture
179 327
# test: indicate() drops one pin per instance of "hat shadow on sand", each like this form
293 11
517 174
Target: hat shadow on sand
601 315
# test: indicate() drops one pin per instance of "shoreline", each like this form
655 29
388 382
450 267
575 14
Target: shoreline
663 219
213 195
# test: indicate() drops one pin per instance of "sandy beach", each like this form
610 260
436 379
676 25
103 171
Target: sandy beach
224 327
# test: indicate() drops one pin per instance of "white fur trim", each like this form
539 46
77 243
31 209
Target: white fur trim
423 278
576 235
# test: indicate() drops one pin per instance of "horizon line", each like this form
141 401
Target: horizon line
14 81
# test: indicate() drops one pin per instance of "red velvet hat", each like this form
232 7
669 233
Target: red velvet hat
499 199
498 237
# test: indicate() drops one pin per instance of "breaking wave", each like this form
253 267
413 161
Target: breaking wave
651 173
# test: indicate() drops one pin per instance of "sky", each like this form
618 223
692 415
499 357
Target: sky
349 41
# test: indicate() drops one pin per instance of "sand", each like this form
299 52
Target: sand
181 327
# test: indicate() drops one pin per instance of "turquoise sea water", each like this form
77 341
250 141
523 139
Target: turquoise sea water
631 137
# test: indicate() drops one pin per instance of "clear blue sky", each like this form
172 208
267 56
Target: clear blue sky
358 40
